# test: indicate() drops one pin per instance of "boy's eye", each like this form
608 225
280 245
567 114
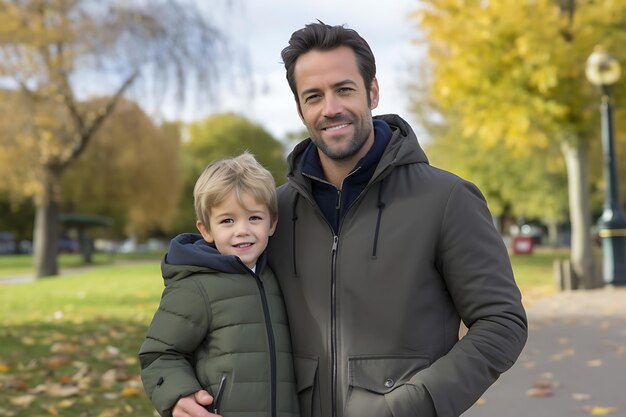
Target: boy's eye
255 218
226 221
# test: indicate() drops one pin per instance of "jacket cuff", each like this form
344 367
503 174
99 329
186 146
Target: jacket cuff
170 387
411 400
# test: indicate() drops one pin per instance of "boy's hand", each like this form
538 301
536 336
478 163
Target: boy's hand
193 405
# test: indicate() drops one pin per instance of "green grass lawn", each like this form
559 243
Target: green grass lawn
68 345
537 269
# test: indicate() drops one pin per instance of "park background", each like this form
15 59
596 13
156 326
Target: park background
110 109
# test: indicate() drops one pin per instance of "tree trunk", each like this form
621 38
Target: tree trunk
575 153
553 233
46 232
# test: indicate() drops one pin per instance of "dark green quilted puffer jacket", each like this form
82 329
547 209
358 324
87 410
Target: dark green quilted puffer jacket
219 322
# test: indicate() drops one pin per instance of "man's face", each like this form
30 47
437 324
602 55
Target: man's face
333 103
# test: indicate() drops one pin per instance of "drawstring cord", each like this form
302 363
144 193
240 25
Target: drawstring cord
294 219
381 206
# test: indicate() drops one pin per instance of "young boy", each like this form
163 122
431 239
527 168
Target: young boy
221 325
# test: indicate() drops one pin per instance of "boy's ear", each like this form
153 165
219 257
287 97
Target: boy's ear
273 228
204 231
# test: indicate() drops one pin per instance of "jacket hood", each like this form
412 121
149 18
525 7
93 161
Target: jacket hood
189 253
403 148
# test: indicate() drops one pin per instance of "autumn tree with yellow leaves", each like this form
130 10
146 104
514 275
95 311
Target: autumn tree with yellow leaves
510 75
52 50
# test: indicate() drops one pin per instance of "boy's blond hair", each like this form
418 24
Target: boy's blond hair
240 174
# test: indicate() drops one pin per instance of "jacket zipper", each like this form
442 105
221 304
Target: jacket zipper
333 324
270 340
333 289
215 406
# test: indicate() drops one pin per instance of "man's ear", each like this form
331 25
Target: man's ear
299 108
204 231
374 94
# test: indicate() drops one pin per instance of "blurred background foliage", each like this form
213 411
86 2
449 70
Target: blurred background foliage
500 93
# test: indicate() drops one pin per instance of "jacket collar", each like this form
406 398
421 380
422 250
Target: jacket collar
403 148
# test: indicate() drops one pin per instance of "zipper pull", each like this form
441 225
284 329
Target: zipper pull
335 241
214 407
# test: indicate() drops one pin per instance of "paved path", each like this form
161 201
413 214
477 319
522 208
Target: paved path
574 363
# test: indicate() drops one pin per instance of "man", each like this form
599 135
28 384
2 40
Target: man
380 255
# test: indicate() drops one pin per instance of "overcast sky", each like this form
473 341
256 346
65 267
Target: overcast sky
263 27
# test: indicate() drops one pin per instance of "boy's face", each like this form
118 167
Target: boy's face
240 230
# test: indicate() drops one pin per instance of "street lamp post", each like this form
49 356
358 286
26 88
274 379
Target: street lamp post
603 70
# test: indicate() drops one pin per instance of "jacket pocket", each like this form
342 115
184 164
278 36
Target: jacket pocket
371 378
218 395
307 385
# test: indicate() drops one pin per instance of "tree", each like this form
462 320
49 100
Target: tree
217 137
51 49
129 173
513 71
530 186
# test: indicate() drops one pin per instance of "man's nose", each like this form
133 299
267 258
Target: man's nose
332 106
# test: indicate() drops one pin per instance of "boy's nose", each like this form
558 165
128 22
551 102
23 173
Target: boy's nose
242 230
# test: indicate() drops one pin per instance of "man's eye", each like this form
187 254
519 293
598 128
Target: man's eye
344 90
312 98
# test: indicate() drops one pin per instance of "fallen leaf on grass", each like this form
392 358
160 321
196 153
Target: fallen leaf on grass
6 413
130 392
23 400
56 361
67 403
65 379
109 412
28 341
594 363
57 390
64 347
580 396
4 368
130 360
112 350
600 411
20 385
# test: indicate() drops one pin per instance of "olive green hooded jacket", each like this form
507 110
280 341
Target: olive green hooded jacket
375 309
222 328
